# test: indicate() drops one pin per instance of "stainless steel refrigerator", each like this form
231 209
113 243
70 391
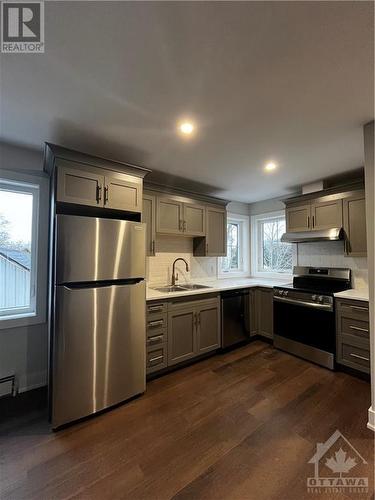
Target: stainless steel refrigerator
98 315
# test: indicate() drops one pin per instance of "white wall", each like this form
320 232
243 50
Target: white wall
23 350
370 219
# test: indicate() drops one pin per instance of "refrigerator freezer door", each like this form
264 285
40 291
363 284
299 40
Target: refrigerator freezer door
97 249
98 349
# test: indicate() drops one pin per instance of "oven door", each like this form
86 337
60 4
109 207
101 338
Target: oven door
305 324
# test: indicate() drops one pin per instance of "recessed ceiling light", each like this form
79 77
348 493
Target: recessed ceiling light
270 166
186 128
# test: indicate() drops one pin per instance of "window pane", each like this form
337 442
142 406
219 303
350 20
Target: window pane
15 251
231 261
275 255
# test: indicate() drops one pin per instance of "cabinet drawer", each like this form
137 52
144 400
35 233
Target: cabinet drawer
353 309
156 323
156 338
353 326
156 358
354 356
155 310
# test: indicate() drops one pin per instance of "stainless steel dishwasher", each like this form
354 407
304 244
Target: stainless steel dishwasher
234 317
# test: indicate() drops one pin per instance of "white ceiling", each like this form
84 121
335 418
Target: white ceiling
288 81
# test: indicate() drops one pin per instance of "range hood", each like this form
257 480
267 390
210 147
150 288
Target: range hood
333 234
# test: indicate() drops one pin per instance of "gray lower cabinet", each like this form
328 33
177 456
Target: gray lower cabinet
148 216
354 210
156 337
193 329
352 334
264 306
253 312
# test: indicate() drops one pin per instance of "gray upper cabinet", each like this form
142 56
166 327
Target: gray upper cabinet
298 218
194 220
109 190
123 192
354 209
215 242
148 216
208 326
265 311
181 334
326 214
80 187
169 216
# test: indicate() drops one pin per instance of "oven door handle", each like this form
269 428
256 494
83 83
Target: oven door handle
313 305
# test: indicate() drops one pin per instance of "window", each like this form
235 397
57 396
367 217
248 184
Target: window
19 203
269 255
236 261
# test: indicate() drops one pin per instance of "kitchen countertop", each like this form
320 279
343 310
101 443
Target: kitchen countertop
354 294
218 285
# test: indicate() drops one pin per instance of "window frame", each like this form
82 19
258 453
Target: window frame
38 186
256 246
244 239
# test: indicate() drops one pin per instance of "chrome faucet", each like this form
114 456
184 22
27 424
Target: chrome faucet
174 274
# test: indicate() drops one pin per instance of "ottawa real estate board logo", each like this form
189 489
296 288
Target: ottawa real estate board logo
338 468
22 27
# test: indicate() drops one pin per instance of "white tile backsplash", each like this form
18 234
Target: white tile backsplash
169 248
331 254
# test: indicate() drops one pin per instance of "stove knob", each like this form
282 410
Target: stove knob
281 292
286 292
320 299
314 297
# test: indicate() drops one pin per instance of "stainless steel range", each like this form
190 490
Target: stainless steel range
304 315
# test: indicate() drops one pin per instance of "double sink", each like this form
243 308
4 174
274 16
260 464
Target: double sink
180 288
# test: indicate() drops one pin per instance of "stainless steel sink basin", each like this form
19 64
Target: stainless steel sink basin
192 286
168 289
180 288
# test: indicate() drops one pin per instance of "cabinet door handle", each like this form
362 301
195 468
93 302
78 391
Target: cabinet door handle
358 329
153 247
206 247
199 318
313 221
155 340
155 308
98 193
358 356
308 221
105 194
155 360
158 322
184 225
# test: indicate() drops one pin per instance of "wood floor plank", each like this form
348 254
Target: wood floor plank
240 425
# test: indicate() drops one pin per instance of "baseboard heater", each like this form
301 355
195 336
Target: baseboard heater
8 386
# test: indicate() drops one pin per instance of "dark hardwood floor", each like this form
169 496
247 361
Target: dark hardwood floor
241 425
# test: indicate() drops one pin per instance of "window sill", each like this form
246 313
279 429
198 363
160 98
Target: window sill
21 320
277 276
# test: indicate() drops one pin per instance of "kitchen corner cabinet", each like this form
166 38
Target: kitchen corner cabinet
314 216
215 242
194 221
148 216
112 190
354 209
193 329
264 304
253 312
